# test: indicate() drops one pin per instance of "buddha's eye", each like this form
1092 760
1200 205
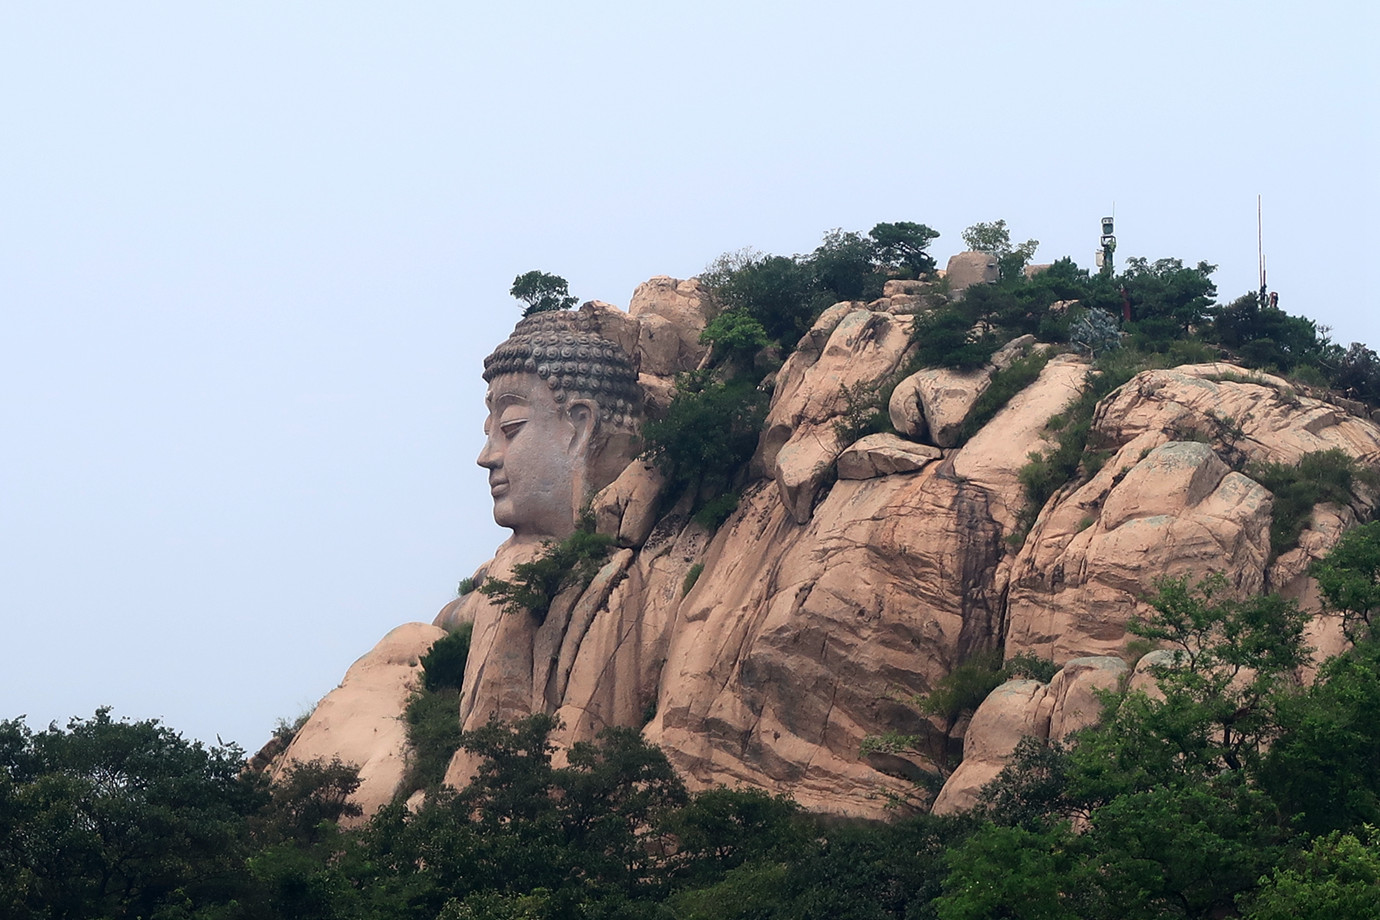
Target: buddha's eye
511 426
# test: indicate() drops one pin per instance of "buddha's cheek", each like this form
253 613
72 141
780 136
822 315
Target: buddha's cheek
537 498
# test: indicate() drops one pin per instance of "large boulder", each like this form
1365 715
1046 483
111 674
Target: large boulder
801 439
1010 713
1091 561
931 404
670 315
1165 506
797 641
969 268
359 722
883 455
1020 709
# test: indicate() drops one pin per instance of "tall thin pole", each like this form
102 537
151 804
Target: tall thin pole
1260 246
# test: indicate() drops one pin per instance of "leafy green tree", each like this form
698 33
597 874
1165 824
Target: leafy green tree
109 818
902 247
996 239
1323 769
947 337
721 829
1349 578
1014 873
1167 299
583 836
1355 371
443 665
1266 336
709 433
777 291
1338 877
736 336
1233 660
871 871
562 565
845 267
1168 787
1319 476
542 292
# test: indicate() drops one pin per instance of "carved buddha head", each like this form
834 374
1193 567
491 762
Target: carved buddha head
564 410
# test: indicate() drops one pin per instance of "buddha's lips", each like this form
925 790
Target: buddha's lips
498 487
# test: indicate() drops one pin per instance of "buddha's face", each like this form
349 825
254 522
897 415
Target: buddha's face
534 453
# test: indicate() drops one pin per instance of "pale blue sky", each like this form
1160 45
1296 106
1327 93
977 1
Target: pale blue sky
252 254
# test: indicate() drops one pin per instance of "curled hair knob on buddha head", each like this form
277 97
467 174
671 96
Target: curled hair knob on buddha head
564 411
576 363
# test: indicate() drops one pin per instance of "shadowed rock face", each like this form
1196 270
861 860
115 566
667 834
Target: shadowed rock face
854 575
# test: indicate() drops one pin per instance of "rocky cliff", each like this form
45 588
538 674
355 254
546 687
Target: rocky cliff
854 574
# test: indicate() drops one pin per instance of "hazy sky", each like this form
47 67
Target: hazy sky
252 255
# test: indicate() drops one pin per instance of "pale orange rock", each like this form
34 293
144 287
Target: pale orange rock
877 595
1091 560
626 508
969 268
1020 709
359 722
883 455
670 314
946 397
820 605
1010 712
994 456
801 440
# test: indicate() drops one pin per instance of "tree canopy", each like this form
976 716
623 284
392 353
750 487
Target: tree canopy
542 292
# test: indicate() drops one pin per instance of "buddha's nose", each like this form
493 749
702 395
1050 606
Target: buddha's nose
488 457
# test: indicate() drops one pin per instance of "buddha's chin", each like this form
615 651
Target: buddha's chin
525 531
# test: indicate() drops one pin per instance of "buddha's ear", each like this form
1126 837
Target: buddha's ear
584 418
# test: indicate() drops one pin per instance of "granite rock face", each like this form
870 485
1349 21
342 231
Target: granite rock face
854 574
360 721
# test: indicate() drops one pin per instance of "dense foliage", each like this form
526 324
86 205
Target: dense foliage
569 563
708 434
1234 790
542 292
784 294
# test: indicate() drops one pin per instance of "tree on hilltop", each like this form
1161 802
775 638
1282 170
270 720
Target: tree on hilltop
996 239
902 246
542 292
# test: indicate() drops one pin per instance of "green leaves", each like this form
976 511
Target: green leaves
902 247
542 292
1349 578
534 585
117 818
709 432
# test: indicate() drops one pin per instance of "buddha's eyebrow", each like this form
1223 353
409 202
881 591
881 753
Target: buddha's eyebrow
504 400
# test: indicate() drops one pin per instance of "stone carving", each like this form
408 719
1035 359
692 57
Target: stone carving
564 408
851 576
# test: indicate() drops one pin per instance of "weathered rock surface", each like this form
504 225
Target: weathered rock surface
882 455
1026 709
360 722
821 603
969 268
670 315
994 456
1162 506
801 439
627 508
790 648
944 397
